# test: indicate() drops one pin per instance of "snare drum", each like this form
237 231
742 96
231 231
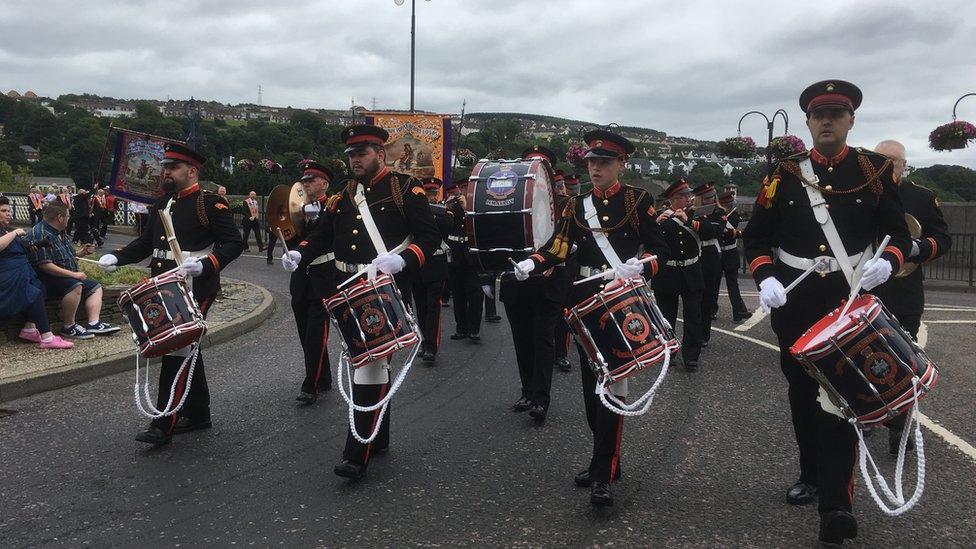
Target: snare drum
865 362
163 315
372 320
509 211
622 331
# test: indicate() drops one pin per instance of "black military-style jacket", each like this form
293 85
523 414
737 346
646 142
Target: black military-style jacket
399 208
435 269
312 281
863 203
200 220
730 234
905 295
626 214
683 241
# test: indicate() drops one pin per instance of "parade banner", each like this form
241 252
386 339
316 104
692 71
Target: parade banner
419 144
135 171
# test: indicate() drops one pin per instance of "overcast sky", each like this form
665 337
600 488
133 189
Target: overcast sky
686 68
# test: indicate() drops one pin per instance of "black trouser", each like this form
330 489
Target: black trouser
828 444
561 336
911 323
468 298
367 395
197 405
312 321
735 296
712 276
427 304
607 428
532 312
691 312
103 224
83 232
272 242
490 309
72 219
248 225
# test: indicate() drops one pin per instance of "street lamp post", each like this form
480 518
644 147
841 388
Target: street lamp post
957 104
413 32
769 129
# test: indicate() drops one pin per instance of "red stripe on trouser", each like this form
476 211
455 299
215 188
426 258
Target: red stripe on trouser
325 349
850 483
178 394
376 417
615 460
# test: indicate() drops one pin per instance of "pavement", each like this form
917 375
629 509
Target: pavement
708 466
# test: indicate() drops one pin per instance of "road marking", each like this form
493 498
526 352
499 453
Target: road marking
950 309
756 318
923 335
951 321
951 438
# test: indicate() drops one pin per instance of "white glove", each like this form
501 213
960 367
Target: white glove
290 260
523 268
108 262
915 251
630 269
389 263
771 294
876 271
192 266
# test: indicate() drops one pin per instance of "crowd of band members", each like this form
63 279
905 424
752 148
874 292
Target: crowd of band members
695 248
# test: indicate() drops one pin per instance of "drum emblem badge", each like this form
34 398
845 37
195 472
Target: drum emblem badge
501 185
635 326
879 367
372 320
154 314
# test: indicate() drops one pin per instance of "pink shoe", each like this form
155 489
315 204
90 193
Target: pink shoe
30 335
56 343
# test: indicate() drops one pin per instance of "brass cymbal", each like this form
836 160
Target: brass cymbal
285 210
915 230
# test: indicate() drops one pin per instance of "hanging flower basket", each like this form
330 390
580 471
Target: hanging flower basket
737 147
466 157
339 166
245 165
954 135
270 165
575 155
787 145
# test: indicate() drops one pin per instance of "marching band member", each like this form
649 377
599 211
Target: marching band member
730 254
711 258
626 216
312 279
833 202
561 337
398 206
465 286
200 220
428 286
905 296
533 307
681 276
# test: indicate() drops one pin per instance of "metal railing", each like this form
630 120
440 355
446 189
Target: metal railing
958 264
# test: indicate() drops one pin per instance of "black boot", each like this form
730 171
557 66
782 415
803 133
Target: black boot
600 494
836 526
801 493
187 424
307 398
348 469
154 436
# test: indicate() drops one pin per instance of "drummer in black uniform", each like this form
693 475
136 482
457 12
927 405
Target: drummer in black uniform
731 263
200 220
313 277
533 307
711 256
681 275
626 215
904 295
398 206
428 287
859 205
469 300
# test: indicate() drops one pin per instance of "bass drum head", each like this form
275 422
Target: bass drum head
543 215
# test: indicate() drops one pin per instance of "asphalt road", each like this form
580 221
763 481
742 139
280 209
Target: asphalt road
707 466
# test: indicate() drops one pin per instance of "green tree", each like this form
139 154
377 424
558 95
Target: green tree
6 177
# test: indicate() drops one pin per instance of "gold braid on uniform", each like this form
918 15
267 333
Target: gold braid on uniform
397 192
873 176
630 205
202 211
560 244
631 212
794 169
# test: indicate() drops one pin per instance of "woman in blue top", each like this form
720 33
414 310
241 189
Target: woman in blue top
20 290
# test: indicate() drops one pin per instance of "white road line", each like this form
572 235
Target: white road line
923 335
950 309
951 438
951 321
756 318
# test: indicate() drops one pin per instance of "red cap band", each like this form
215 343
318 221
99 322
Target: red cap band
173 155
607 145
316 173
831 99
680 188
365 138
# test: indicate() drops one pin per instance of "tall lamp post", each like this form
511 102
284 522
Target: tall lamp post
413 31
192 110
769 130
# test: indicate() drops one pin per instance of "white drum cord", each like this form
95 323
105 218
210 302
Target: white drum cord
894 503
146 407
345 367
641 405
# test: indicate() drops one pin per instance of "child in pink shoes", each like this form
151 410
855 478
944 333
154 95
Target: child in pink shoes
47 340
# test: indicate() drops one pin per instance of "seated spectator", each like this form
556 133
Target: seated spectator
58 271
20 291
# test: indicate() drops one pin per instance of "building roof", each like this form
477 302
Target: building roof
28 149
48 181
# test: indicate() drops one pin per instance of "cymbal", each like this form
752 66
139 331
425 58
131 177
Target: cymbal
285 210
915 230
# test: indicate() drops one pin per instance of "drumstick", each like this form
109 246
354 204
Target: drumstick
805 274
608 271
857 287
281 235
174 245
396 250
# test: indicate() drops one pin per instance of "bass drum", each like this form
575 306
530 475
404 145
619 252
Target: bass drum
509 211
